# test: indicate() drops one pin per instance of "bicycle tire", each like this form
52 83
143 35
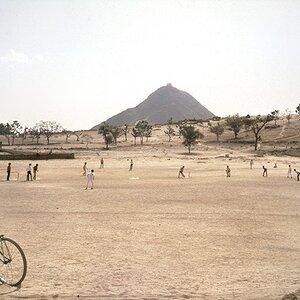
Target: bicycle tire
14 271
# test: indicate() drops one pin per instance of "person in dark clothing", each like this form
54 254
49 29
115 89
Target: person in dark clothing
131 165
102 163
298 174
265 172
8 171
228 171
180 173
35 170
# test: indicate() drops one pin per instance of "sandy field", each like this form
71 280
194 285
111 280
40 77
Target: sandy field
146 234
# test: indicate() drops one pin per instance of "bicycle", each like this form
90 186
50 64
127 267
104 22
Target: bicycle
13 264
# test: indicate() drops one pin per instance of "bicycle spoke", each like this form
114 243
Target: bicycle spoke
13 268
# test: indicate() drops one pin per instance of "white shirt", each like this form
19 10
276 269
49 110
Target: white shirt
29 169
90 176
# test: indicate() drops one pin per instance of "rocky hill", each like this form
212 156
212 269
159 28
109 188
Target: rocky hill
165 103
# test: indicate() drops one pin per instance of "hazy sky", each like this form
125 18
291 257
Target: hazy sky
81 61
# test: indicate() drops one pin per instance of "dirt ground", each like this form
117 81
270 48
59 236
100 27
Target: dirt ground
146 234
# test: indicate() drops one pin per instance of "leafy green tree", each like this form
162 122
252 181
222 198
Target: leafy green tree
216 129
125 130
235 124
257 124
148 132
144 129
135 133
191 135
116 133
105 130
5 130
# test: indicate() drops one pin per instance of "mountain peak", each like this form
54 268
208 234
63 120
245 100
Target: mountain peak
164 103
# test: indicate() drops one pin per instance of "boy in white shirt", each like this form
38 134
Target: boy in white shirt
90 179
290 172
29 172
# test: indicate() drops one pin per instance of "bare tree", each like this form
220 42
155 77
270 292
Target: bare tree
24 134
87 139
288 115
257 124
36 132
68 134
16 129
77 134
49 128
170 131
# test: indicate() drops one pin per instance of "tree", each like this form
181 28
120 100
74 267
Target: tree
148 132
144 130
116 133
190 136
288 115
49 128
235 124
216 129
257 124
35 132
275 115
87 139
135 133
77 134
170 131
298 109
105 130
125 130
67 133
5 130
16 129
247 122
24 134
180 127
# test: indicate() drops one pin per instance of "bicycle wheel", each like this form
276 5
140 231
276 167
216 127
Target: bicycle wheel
13 269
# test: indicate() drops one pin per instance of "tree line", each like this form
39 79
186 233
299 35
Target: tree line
43 128
143 130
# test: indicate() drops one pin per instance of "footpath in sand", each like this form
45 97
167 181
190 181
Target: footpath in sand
146 234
